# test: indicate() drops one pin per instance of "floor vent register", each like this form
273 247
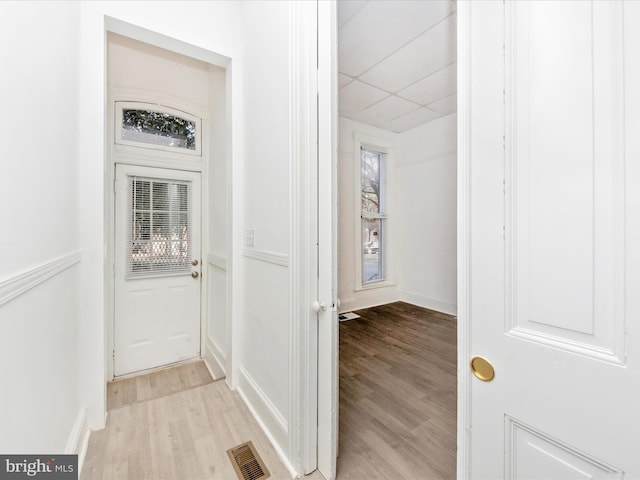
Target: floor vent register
247 463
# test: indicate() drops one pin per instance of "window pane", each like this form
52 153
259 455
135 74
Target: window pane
140 190
160 196
157 128
141 226
159 235
179 198
370 181
372 258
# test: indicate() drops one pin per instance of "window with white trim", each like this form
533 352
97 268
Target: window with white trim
157 127
373 215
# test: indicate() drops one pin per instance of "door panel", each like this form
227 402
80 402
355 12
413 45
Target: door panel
531 454
157 300
552 220
565 210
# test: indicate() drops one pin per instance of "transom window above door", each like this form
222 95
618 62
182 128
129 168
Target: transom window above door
157 127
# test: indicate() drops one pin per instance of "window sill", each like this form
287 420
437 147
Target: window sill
374 285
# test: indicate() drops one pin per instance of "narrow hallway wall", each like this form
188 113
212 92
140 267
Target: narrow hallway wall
39 247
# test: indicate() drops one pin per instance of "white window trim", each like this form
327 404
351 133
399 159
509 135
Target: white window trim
121 105
387 147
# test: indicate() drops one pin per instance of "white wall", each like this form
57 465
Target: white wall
52 186
218 218
264 355
426 182
349 219
39 363
138 66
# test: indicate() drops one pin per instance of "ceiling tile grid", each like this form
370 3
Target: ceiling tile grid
397 61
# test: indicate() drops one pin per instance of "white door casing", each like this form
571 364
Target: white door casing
157 315
549 239
327 240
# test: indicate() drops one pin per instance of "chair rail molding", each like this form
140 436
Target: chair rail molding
21 283
266 256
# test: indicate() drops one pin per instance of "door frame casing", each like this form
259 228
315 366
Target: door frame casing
463 422
322 212
148 157
303 260
109 24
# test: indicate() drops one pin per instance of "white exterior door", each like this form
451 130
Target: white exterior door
549 119
157 267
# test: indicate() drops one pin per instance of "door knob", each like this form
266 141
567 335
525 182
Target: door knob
194 263
316 306
195 274
482 369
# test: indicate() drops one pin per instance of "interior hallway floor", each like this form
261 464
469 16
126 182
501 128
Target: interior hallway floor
397 410
398 394
174 424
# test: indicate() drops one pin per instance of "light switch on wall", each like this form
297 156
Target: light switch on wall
250 237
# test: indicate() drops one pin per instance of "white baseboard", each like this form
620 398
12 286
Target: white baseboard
77 432
430 303
214 360
272 422
360 305
79 438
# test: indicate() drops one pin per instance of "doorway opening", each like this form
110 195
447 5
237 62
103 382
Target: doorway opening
167 221
397 94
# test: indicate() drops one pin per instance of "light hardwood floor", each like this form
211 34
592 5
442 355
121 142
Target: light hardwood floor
397 410
157 384
181 435
397 394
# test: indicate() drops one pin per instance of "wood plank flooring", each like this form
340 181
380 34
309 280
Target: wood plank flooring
178 436
397 410
397 394
157 384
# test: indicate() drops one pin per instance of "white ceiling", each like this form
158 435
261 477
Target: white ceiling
397 61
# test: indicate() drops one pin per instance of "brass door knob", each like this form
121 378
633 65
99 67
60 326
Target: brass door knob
194 263
195 274
482 369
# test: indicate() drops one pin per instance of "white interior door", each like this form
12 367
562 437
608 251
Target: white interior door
157 267
553 229
327 241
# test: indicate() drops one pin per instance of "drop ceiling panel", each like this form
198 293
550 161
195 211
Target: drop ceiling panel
411 120
344 80
397 61
428 53
347 9
446 105
357 96
432 88
385 110
385 26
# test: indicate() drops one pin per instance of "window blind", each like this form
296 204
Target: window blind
159 232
